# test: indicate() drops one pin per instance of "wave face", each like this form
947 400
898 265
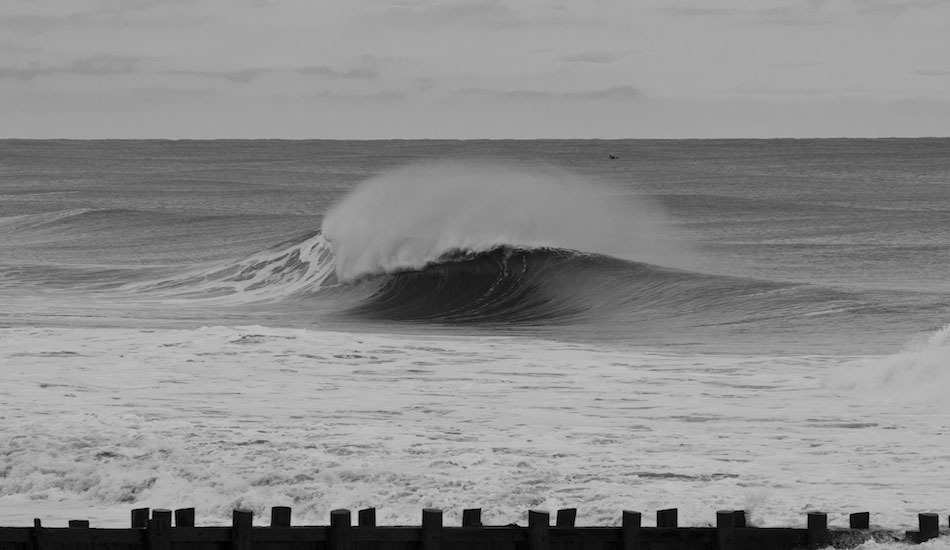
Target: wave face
504 284
551 286
509 286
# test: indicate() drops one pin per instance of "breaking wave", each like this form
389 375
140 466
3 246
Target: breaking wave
501 285
412 217
917 375
459 243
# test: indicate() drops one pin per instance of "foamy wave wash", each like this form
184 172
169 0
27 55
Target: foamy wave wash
414 216
920 374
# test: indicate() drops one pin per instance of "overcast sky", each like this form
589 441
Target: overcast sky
474 68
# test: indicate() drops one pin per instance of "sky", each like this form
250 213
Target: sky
375 69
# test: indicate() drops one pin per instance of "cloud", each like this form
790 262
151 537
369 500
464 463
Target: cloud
897 8
794 14
786 15
241 76
614 93
132 14
356 74
693 11
102 65
249 74
486 13
593 57
933 72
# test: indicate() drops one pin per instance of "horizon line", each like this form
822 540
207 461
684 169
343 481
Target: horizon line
778 138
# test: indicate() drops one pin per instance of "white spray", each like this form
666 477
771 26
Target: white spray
408 218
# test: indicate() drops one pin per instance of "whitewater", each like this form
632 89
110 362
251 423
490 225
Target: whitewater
704 325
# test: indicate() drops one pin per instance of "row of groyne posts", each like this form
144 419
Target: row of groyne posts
156 530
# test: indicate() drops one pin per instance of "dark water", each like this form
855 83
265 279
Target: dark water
773 246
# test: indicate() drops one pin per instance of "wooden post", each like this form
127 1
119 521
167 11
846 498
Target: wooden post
740 519
929 526
630 530
539 525
431 529
241 523
366 517
818 536
472 517
340 536
140 518
185 517
860 520
79 524
667 518
280 516
158 534
40 538
164 515
725 529
566 517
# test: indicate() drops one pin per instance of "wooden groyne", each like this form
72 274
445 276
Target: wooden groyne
162 529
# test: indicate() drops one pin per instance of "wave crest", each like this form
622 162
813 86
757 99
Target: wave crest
411 217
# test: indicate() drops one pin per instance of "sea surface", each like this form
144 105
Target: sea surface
699 324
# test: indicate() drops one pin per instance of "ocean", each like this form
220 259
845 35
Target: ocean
511 325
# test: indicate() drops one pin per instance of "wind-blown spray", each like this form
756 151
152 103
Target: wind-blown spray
411 217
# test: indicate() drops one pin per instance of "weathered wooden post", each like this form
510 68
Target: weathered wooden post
280 516
158 533
667 518
162 514
565 517
185 517
340 536
140 518
431 529
40 537
860 520
78 524
818 535
241 523
472 517
539 526
929 526
740 520
630 530
366 517
725 529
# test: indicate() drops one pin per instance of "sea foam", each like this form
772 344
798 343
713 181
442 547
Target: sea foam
918 374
